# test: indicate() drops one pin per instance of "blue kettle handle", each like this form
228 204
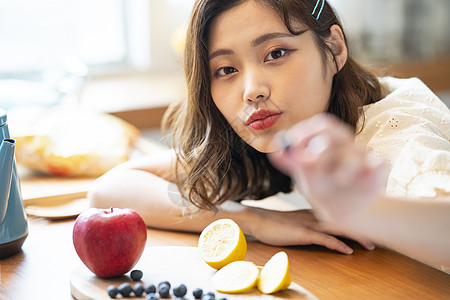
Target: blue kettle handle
6 166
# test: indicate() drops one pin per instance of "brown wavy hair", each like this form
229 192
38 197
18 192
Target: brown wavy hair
213 163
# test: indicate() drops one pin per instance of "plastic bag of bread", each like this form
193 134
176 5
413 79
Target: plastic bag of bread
69 140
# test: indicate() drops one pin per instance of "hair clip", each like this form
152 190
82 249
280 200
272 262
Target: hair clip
321 8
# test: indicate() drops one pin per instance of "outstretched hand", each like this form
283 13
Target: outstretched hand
338 177
300 228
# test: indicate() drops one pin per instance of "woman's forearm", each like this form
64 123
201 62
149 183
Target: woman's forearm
157 201
419 228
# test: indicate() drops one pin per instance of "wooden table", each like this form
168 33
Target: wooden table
42 269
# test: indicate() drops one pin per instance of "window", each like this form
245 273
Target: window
106 35
35 33
47 47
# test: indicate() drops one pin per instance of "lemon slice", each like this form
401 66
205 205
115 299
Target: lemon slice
236 277
221 243
275 275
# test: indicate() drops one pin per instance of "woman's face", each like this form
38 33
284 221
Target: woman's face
263 78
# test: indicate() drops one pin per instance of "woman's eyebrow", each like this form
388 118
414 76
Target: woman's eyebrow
220 52
269 36
256 42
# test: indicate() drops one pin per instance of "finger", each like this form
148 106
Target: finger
326 240
323 153
310 153
308 139
282 161
367 244
316 143
304 131
296 159
316 124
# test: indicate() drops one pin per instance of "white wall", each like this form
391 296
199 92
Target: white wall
166 16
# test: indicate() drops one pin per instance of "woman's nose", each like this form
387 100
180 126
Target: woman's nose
255 89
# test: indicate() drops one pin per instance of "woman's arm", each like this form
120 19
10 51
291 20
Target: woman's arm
419 228
145 185
345 185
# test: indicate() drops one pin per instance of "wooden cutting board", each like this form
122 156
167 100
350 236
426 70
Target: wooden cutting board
177 265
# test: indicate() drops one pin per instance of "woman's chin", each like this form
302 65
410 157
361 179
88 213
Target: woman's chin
267 148
267 143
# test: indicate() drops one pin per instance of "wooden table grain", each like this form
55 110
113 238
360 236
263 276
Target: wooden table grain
42 269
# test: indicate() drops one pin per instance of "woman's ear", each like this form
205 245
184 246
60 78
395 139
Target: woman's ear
336 42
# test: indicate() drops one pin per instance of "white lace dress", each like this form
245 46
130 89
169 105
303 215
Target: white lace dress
410 129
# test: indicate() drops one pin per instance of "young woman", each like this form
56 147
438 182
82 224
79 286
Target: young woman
254 68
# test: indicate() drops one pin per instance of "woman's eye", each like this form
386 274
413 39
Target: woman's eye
225 71
276 54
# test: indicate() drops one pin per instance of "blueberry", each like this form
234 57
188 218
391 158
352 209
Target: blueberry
125 289
164 290
138 289
136 275
112 291
150 288
164 283
180 291
209 296
152 296
197 293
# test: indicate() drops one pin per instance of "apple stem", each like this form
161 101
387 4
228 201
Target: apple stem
111 209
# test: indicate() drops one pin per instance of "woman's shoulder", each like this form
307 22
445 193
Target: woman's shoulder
408 110
409 100
406 92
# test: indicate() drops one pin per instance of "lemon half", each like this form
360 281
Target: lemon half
221 243
236 277
275 275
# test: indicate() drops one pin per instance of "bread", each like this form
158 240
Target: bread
69 140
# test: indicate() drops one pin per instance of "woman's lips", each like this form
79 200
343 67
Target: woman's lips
262 119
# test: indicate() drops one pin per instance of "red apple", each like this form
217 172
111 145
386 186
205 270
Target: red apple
109 241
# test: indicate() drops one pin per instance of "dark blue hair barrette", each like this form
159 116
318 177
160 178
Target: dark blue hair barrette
320 10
